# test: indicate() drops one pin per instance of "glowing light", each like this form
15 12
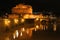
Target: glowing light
37 19
21 34
26 16
16 21
41 20
23 29
54 28
22 20
37 26
27 31
14 36
21 8
17 33
7 21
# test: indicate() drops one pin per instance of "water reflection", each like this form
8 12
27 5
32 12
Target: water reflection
27 31
7 38
41 27
23 32
54 27
15 34
23 29
35 29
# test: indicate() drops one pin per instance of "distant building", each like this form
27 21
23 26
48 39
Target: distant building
22 9
12 16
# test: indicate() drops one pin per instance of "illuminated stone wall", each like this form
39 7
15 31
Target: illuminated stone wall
12 16
22 9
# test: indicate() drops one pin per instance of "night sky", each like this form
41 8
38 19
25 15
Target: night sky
38 5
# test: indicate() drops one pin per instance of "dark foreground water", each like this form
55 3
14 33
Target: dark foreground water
16 33
36 35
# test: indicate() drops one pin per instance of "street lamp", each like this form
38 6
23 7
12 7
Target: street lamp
37 19
15 21
6 22
22 20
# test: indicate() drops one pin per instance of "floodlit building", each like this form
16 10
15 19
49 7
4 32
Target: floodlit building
22 9
12 16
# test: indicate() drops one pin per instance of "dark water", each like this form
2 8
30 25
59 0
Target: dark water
47 34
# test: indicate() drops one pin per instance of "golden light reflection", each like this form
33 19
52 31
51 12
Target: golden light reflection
54 27
41 27
7 22
23 29
27 31
14 36
15 21
21 34
17 33
22 9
